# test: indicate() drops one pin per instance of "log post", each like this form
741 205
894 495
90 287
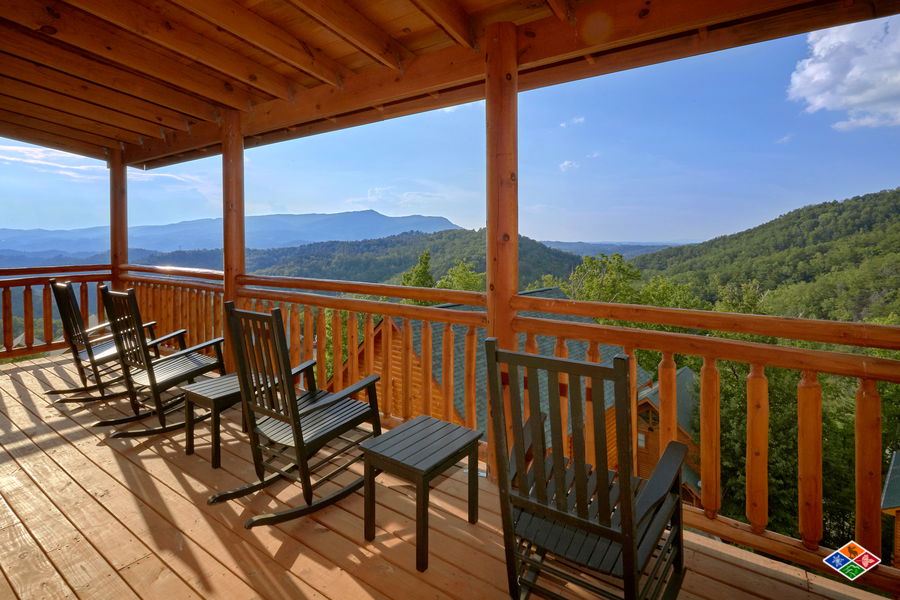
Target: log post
501 114
868 466
232 207
118 216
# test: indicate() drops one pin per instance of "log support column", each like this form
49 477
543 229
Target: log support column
501 88
118 217
232 208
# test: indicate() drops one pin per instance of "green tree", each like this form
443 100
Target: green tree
603 278
462 276
419 275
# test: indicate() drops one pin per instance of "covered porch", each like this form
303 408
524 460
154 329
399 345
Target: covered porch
148 84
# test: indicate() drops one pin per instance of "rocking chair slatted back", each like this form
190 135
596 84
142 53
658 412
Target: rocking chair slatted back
70 315
128 328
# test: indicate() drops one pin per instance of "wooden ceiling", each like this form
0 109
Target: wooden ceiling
153 77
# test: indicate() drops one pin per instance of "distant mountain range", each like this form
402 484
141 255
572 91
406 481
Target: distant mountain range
267 231
626 249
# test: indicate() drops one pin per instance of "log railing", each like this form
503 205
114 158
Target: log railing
25 294
353 330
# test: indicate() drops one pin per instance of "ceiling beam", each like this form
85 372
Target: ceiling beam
65 119
89 92
450 17
152 26
560 8
42 138
266 36
45 52
345 21
456 66
57 129
63 103
73 26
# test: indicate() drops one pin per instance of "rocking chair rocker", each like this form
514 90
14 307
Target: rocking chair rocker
294 435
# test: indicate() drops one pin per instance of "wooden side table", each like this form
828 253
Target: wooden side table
216 395
418 451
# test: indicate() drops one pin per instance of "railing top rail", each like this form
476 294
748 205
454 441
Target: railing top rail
174 281
29 271
818 330
362 287
176 271
12 282
803 359
425 313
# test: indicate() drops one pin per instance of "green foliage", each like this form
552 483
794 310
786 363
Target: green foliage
603 278
419 275
462 276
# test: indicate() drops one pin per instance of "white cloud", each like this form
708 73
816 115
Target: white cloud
568 165
593 154
456 107
854 68
785 139
572 121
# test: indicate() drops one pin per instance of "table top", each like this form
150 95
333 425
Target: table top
215 388
422 443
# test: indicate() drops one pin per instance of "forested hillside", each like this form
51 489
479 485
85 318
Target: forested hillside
382 259
837 260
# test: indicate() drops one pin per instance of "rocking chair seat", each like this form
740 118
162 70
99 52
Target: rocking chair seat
168 371
103 352
318 426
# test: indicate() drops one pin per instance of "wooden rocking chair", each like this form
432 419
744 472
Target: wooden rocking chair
95 356
568 525
147 378
302 436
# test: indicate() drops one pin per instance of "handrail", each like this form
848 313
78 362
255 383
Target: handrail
801 359
177 282
176 271
425 313
17 271
819 330
23 281
362 287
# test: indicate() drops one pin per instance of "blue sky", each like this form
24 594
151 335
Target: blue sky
686 150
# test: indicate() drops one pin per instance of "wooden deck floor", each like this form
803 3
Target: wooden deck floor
85 516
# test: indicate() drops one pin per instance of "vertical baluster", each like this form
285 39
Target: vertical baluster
406 370
868 465
48 314
809 460
98 298
216 315
709 437
369 333
561 350
194 304
321 346
427 374
337 351
309 335
28 315
757 500
387 350
593 356
296 343
632 388
447 366
471 343
353 347
668 401
7 319
85 304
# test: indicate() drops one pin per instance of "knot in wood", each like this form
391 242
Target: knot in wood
48 29
643 13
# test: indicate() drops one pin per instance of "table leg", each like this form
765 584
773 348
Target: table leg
473 484
189 426
216 452
369 493
422 489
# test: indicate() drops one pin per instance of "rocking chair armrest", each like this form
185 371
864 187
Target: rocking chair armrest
213 342
97 328
303 367
367 383
664 475
180 333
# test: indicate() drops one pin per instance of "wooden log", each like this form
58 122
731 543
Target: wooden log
757 501
337 350
471 348
809 459
118 217
427 368
98 298
561 350
321 346
447 371
710 493
406 361
7 319
48 313
668 401
28 315
868 466
84 301
632 391
309 335
369 332
353 346
232 207
296 337
387 352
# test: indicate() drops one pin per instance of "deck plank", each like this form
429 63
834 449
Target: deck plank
176 546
